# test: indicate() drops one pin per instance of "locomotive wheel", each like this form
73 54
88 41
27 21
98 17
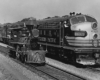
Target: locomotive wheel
73 58
12 54
17 55
25 58
22 58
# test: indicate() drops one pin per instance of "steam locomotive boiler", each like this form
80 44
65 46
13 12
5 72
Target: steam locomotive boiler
73 37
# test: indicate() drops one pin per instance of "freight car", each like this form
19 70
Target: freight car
72 37
22 36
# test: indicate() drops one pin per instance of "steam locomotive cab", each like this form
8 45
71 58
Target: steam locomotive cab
83 39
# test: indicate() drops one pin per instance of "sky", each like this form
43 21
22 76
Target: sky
16 10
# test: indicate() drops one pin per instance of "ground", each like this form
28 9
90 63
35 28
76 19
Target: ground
10 70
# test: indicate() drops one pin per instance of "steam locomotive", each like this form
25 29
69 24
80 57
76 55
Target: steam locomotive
73 37
22 37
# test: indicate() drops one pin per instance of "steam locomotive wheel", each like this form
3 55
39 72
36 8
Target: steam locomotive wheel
25 58
17 55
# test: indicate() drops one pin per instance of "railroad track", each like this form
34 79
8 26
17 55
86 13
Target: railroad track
97 70
37 68
52 73
49 72
57 73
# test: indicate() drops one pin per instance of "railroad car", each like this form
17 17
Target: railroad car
73 37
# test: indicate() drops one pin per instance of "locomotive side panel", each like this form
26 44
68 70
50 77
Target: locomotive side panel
50 36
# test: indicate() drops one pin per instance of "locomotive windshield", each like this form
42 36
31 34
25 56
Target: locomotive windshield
90 19
77 19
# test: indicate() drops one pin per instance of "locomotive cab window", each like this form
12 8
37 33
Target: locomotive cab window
90 19
77 19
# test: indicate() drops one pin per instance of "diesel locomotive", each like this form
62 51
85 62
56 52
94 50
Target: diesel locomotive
73 37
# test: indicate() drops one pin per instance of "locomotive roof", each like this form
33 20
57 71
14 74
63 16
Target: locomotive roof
33 22
63 18
53 19
57 18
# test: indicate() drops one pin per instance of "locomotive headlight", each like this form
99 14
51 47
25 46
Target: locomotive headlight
35 32
94 26
95 36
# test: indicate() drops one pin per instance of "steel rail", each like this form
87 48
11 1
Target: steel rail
45 73
68 72
33 67
93 69
52 77
82 78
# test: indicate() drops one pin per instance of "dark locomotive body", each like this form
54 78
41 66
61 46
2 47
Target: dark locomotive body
73 37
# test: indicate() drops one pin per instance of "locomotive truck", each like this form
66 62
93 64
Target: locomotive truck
72 37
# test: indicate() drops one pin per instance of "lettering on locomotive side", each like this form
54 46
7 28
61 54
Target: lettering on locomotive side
51 40
42 39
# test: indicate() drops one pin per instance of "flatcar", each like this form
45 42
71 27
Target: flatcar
72 37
